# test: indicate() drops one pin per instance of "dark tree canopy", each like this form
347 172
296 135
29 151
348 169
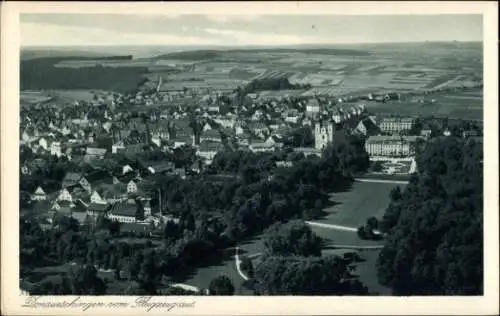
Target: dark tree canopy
296 275
434 242
221 285
292 238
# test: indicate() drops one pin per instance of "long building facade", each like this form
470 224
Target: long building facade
396 124
391 146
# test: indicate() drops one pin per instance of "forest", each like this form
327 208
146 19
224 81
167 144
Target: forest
41 74
434 228
281 83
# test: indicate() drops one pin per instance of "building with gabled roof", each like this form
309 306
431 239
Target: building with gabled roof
39 195
124 211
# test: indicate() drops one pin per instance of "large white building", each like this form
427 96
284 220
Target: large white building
323 134
391 146
396 124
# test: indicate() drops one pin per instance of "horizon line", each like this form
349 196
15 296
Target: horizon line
243 45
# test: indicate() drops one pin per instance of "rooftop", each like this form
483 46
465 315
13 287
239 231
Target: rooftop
394 138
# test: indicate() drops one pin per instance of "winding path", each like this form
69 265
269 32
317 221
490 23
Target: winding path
337 227
332 226
238 264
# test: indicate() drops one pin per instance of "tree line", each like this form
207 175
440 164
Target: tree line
434 228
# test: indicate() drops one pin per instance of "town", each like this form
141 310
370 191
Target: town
103 165
326 169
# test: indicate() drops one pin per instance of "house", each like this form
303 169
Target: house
213 109
367 127
225 122
290 118
96 198
94 153
182 140
126 168
117 147
160 167
211 135
131 187
62 207
306 122
307 151
312 107
39 195
208 150
426 133
133 149
74 179
96 209
469 133
284 164
42 144
206 127
238 129
108 193
258 128
125 211
72 194
264 146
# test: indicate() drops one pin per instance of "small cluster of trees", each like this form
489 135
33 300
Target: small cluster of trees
300 137
280 83
369 230
292 265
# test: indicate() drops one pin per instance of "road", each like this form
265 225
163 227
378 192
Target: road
381 181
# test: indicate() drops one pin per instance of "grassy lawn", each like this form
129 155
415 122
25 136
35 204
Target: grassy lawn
365 199
368 274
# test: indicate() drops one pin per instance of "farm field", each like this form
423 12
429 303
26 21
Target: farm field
33 97
466 105
74 95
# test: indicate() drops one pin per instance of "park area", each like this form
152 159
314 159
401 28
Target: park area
349 209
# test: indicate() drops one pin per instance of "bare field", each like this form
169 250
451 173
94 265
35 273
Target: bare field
32 97
466 105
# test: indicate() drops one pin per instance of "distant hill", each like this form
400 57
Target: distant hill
211 54
36 53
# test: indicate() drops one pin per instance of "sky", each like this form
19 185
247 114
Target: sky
233 30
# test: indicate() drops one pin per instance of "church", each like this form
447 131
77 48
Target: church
323 134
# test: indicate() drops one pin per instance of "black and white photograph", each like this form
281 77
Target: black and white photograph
210 154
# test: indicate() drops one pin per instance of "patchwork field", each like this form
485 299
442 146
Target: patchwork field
460 104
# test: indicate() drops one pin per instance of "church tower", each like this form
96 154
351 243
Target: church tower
323 134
